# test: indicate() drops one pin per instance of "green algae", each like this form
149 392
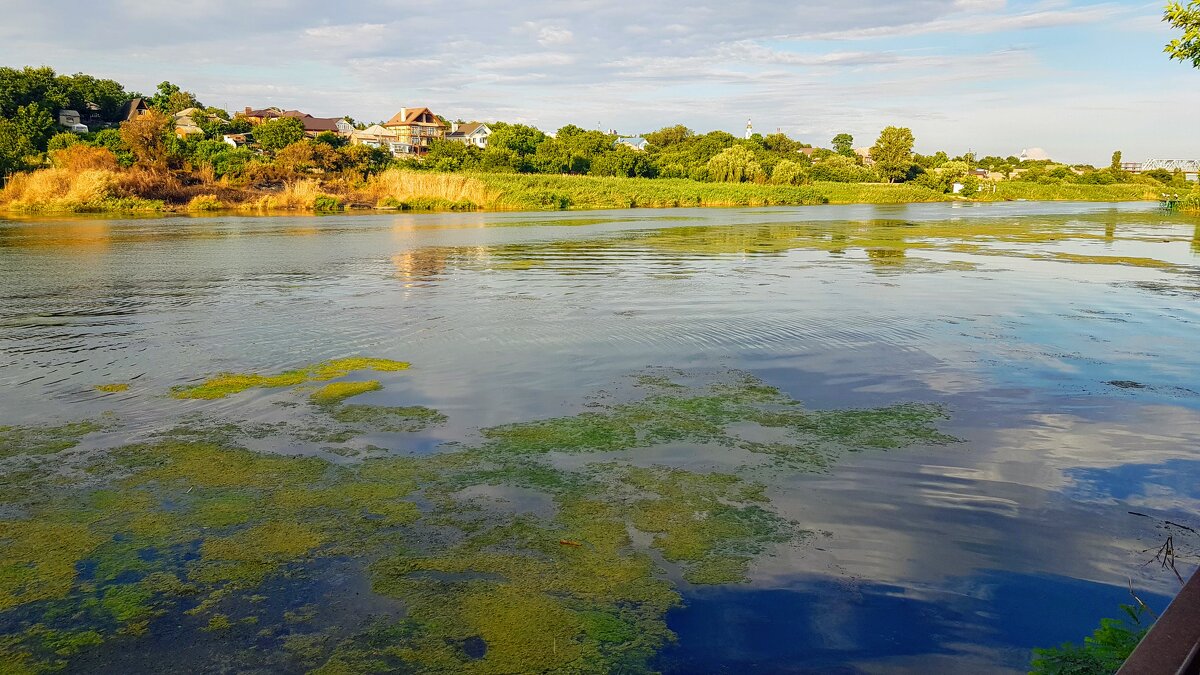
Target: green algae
388 419
38 559
16 440
112 388
202 526
336 392
226 384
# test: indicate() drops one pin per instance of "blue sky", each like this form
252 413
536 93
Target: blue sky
1079 79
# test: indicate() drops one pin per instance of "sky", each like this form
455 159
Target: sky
1079 79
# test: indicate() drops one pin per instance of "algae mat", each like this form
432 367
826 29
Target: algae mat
387 561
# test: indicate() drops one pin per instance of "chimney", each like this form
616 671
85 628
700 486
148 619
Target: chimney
403 114
453 127
248 110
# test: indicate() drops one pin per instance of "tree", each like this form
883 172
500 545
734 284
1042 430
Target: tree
735 165
279 133
1187 19
843 144
787 172
146 137
170 99
1116 161
668 136
36 123
519 138
14 148
892 153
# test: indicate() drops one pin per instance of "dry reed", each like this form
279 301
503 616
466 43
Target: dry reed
412 186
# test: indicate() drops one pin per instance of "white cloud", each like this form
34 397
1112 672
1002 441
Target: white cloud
805 65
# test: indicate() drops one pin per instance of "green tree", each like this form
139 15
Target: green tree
279 133
61 140
892 153
843 144
36 123
15 148
1185 18
1116 161
735 165
170 99
787 172
624 161
668 136
519 138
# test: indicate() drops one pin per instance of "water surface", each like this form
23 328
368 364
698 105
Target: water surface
1060 339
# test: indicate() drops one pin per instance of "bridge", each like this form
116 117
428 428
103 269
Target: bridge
1184 165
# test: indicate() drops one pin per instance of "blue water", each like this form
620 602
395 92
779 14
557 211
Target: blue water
1019 318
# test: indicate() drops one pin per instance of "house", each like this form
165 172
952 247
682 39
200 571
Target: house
133 109
808 152
416 129
187 122
70 120
237 140
470 133
865 154
259 116
636 142
312 125
376 136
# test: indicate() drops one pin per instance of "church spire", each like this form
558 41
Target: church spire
749 129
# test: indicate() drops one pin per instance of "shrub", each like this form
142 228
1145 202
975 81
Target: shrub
63 140
79 157
840 169
205 203
788 172
735 165
326 203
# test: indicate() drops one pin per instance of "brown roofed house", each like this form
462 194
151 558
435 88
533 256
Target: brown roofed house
133 109
416 129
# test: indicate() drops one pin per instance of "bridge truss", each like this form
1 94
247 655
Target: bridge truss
1184 165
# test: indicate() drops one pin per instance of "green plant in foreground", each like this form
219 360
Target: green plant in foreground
1102 652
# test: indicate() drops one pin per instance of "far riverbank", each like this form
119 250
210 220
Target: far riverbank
52 191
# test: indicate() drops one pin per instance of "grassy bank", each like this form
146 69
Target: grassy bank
1073 192
101 189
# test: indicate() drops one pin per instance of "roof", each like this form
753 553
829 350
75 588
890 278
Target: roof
319 124
129 110
468 128
409 116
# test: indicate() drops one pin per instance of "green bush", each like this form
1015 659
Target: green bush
327 203
1102 653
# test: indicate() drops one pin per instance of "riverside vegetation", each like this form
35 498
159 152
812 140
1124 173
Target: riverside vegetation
102 549
141 165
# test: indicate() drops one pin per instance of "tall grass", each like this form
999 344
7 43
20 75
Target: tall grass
1117 192
62 190
411 189
541 192
1190 203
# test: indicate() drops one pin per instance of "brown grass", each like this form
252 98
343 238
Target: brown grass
58 189
79 157
411 186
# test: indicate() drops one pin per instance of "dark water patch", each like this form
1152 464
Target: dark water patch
825 623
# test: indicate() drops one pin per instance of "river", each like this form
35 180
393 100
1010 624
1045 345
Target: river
1000 428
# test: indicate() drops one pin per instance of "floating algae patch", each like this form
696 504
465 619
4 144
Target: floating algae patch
736 412
226 384
112 388
44 440
194 535
336 392
389 419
